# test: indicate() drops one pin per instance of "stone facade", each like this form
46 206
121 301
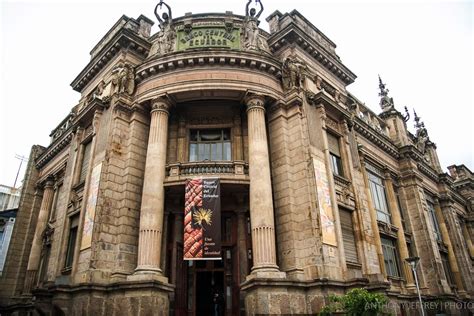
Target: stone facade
319 193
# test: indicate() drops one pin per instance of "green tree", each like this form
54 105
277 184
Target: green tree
356 302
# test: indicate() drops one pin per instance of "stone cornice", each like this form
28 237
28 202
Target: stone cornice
292 33
380 140
428 171
55 148
215 57
85 114
124 39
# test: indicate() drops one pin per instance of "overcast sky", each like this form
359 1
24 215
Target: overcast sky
422 49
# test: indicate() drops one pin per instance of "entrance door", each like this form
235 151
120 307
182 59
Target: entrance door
205 287
209 293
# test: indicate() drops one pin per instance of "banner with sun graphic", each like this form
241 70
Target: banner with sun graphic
202 219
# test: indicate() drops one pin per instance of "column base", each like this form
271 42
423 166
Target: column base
148 274
266 272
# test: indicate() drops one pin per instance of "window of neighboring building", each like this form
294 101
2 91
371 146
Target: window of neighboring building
377 189
71 243
210 144
434 221
348 238
86 157
335 155
447 268
390 256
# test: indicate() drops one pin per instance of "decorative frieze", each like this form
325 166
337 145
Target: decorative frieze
254 62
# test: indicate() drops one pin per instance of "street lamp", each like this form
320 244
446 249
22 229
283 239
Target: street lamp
413 263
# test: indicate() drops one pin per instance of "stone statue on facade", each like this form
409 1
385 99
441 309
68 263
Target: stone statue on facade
421 137
386 102
123 79
252 40
293 73
165 40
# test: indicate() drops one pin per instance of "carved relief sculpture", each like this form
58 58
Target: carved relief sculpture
294 72
123 79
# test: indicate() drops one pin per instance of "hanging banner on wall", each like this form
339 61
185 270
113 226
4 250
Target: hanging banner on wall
90 207
202 219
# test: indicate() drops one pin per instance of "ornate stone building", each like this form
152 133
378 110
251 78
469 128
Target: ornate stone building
319 193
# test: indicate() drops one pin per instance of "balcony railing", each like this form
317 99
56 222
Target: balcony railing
207 168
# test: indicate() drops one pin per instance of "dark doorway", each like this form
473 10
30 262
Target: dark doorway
209 293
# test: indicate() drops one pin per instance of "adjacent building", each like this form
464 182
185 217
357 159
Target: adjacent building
319 194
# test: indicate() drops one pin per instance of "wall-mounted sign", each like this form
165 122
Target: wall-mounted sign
208 36
202 220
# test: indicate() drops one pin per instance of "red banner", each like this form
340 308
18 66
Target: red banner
202 220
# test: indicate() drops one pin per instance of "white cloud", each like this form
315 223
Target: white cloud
423 51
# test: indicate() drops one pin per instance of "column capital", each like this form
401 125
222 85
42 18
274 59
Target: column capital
253 101
161 104
49 183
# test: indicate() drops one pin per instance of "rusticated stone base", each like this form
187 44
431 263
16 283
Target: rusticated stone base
124 298
276 296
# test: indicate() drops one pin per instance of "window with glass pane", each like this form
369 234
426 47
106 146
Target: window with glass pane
71 244
402 210
390 257
447 268
434 221
348 238
85 161
377 189
335 154
210 144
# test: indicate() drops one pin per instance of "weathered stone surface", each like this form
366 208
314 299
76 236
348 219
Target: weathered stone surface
120 159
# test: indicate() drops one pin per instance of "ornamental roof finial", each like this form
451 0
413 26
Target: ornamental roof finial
386 103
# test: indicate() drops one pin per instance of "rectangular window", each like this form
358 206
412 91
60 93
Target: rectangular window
86 156
434 221
210 144
71 243
447 268
390 257
57 191
335 155
377 189
402 210
348 237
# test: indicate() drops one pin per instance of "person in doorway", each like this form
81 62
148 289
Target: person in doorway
217 303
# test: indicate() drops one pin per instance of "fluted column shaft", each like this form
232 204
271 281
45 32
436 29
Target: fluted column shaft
35 253
153 197
447 241
397 221
261 204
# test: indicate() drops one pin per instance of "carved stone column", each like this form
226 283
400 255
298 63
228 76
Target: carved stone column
447 241
35 253
261 202
153 196
397 221
467 237
373 219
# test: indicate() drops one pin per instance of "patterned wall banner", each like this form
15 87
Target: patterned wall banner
202 220
90 207
324 201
